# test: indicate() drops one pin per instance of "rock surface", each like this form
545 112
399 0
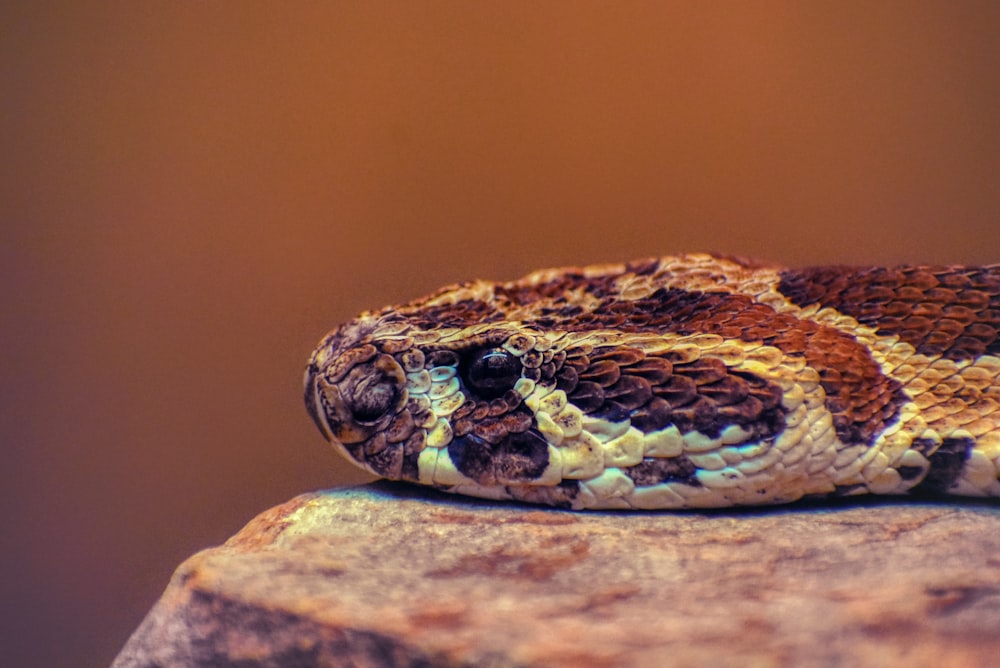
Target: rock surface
383 575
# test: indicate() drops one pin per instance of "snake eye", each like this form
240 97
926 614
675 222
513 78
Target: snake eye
491 371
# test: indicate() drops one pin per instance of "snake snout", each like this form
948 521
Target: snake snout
372 391
355 394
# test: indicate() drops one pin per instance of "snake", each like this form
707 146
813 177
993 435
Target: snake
689 381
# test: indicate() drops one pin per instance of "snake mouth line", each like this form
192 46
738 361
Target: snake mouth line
309 394
313 402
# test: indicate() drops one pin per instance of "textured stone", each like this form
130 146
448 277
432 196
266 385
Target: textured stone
388 575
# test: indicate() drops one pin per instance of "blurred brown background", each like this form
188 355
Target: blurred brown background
193 193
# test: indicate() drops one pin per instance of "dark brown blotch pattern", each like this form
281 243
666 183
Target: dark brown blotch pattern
517 458
619 382
555 291
946 463
464 313
657 470
491 420
953 312
861 398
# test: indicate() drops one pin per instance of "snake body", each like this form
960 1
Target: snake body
690 381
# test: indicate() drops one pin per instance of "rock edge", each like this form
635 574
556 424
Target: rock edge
389 575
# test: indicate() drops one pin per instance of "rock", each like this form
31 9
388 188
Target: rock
385 575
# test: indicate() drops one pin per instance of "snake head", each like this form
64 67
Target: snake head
443 405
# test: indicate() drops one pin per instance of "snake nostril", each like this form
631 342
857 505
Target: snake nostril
372 397
373 390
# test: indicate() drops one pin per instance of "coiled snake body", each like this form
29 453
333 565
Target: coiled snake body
690 381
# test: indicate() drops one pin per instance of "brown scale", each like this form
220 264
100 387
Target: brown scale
391 460
953 312
567 379
621 355
556 289
630 392
491 420
400 428
512 398
727 391
654 393
481 410
460 314
464 410
491 430
418 413
588 396
862 399
704 371
347 360
579 358
441 358
654 370
498 407
656 414
591 321
395 347
602 372
387 463
679 389
411 456
384 461
700 415
532 359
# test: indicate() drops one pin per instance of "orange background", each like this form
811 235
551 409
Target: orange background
193 193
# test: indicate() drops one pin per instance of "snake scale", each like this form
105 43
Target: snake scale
693 381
